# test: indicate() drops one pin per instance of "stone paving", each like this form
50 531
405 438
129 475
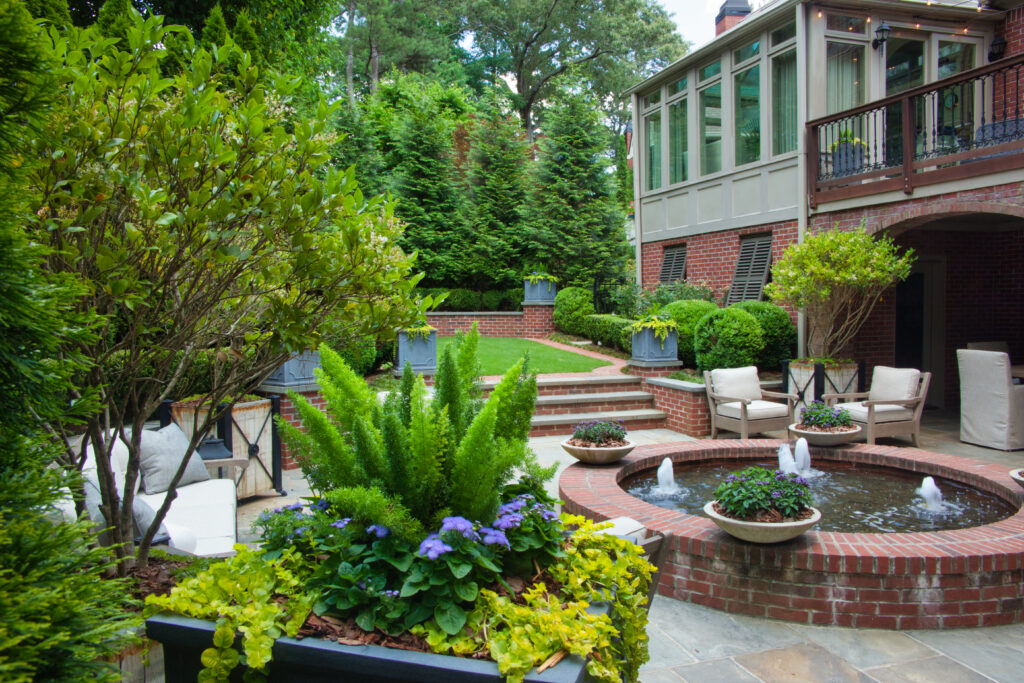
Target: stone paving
698 644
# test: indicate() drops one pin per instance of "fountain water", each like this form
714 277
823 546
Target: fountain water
786 462
931 494
666 479
803 456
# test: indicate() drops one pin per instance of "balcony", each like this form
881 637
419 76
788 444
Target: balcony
964 126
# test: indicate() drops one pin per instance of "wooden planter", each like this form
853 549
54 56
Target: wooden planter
251 439
420 352
539 292
811 380
312 660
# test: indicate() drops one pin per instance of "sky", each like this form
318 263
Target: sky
695 19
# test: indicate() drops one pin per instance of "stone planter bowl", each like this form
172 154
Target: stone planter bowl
598 455
1018 476
825 438
761 532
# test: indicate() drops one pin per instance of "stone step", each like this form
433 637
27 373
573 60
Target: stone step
646 418
587 384
564 404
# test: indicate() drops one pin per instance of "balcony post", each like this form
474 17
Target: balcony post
908 146
813 161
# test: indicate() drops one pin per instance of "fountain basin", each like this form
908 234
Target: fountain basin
963 577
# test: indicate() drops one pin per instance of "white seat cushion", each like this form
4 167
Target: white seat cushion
736 382
207 509
883 412
894 384
756 410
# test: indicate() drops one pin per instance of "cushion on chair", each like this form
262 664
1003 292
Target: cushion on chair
756 410
894 384
883 413
736 382
118 461
207 510
160 455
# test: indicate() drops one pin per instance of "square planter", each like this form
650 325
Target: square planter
313 660
811 380
539 292
847 159
297 370
420 352
649 349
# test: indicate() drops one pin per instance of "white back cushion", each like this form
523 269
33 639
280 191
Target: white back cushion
894 384
118 461
736 382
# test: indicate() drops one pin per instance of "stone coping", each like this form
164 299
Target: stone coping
474 313
698 387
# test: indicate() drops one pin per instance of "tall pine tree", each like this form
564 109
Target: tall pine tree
575 217
215 31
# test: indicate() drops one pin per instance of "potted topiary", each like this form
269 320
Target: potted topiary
837 277
417 346
654 339
539 288
762 506
598 442
824 425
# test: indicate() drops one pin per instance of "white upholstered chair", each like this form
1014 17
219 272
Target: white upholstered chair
737 403
991 406
892 406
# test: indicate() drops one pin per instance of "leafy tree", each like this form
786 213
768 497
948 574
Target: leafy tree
575 218
59 618
538 41
198 222
114 20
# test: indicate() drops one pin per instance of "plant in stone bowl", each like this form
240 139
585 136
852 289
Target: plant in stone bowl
825 425
598 442
763 506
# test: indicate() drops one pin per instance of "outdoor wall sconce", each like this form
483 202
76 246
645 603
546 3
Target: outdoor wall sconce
881 35
997 49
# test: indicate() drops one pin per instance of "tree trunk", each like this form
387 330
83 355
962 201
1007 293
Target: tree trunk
374 67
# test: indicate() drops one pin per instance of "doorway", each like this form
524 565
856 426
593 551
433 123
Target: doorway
920 324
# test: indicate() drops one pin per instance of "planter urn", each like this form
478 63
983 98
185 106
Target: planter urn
803 379
647 348
761 532
1018 476
847 158
296 371
420 351
313 660
539 292
598 455
825 438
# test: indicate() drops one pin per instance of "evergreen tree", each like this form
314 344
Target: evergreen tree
623 176
245 37
114 20
53 12
575 217
498 181
215 31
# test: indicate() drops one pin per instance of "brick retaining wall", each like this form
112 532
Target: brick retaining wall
534 321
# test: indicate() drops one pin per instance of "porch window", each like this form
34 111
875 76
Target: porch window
751 273
784 95
747 98
711 129
678 150
673 264
844 66
677 87
652 139
839 22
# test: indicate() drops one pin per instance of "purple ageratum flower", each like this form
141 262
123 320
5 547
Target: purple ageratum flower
433 547
514 505
459 525
389 594
300 531
341 523
377 530
494 537
320 505
509 521
801 481
295 507
776 494
546 513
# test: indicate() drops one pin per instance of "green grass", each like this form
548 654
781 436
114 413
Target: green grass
498 354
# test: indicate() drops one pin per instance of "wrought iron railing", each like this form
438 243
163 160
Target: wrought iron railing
967 125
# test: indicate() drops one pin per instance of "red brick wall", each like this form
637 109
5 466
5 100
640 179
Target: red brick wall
727 23
534 321
687 410
289 413
1013 31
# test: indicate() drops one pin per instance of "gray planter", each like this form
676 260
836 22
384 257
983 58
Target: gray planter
420 352
539 292
649 349
312 660
847 159
297 370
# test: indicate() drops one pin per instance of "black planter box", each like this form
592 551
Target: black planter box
312 660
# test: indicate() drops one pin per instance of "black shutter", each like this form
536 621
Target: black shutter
751 269
673 264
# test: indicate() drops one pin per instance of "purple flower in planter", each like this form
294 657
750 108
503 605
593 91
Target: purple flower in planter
433 547
389 594
514 505
509 521
320 505
776 494
377 530
341 523
546 513
459 525
494 537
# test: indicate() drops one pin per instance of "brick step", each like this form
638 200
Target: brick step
588 384
646 418
564 404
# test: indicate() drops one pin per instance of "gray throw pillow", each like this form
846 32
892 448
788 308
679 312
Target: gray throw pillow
160 455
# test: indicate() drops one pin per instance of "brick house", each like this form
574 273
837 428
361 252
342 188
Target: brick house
897 113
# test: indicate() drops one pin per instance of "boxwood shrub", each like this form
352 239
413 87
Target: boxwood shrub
779 332
727 338
610 330
361 355
572 306
687 314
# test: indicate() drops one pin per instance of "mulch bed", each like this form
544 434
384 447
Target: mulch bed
156 578
772 516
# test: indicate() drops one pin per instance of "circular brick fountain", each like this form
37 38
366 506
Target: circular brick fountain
939 579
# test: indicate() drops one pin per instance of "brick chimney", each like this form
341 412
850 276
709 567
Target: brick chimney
731 13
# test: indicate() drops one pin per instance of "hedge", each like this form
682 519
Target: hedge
459 300
727 338
572 305
610 330
687 314
779 332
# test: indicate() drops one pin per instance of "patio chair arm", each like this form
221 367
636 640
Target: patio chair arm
830 399
907 403
728 399
779 394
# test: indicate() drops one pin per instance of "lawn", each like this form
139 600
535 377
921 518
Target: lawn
498 354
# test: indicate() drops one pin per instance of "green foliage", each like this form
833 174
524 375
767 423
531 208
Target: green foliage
114 20
215 30
25 87
599 432
572 306
837 277
687 313
632 300
778 329
609 330
575 219
360 354
819 414
727 338
470 300
242 595
757 490
53 12
658 322
245 37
